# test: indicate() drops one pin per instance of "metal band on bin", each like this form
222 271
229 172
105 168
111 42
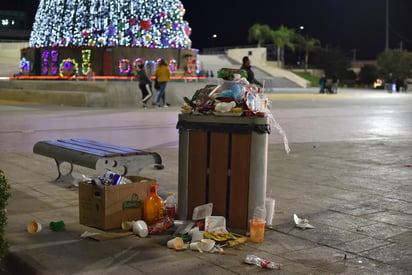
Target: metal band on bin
224 128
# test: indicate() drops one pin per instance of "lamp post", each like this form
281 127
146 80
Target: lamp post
300 63
387 26
214 36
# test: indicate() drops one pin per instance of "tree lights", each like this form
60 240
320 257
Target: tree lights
100 23
109 37
69 67
86 54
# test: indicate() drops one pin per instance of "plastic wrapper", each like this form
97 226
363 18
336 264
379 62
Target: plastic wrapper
202 211
185 227
302 223
163 224
252 259
229 91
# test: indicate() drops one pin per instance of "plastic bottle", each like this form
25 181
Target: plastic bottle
170 205
153 206
252 259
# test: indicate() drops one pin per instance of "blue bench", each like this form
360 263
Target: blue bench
96 155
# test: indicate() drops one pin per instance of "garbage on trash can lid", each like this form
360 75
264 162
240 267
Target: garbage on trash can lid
301 223
202 211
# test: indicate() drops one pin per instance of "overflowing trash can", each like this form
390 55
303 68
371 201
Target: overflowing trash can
223 160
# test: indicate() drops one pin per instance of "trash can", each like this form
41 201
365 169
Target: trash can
222 160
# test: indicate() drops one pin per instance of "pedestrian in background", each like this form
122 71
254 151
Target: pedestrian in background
335 84
389 83
162 75
145 84
322 84
248 68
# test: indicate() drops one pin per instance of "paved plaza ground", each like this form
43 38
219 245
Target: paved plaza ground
349 173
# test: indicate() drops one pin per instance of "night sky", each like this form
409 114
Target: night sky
344 24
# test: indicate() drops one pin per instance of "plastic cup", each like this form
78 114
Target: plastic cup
34 227
270 211
257 230
196 234
194 246
140 228
175 243
207 244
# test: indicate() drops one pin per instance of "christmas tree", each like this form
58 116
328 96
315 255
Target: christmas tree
101 23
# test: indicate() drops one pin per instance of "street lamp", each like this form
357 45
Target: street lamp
301 28
214 36
387 26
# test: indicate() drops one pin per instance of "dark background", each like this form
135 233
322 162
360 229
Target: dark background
345 24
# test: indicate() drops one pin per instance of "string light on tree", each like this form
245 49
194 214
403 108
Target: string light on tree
100 23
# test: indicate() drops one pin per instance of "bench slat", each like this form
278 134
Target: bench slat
94 147
121 149
80 148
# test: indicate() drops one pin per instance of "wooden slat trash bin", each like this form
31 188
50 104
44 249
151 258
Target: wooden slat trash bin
222 160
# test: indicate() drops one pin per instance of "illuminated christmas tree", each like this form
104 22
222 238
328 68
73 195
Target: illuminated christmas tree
100 23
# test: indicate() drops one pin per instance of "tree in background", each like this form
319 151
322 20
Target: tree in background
368 74
259 33
140 23
394 61
307 45
282 37
332 61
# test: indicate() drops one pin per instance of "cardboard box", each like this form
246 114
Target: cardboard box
106 208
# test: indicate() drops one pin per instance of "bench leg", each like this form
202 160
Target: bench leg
158 161
61 176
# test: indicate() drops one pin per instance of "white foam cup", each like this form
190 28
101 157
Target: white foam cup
207 244
196 234
140 228
270 211
34 227
175 243
194 246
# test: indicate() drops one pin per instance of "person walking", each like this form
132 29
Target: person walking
145 84
335 84
162 75
248 68
322 84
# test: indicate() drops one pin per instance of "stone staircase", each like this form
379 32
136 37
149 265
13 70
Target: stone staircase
216 62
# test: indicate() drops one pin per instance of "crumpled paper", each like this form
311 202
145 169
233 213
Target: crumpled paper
302 223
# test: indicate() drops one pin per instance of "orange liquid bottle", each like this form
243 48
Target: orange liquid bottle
153 206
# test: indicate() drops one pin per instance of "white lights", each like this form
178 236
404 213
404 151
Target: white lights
6 22
141 23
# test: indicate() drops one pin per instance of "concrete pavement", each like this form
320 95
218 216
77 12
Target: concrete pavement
347 173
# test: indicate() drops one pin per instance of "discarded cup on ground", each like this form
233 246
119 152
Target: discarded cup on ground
176 243
194 245
34 227
140 228
257 230
270 211
196 234
207 245
127 225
